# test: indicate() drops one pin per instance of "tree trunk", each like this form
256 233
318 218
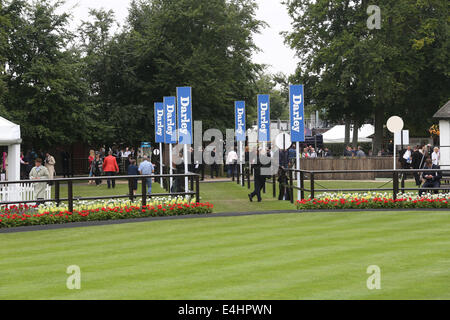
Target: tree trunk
355 134
379 125
347 132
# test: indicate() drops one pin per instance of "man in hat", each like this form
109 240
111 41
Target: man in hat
39 172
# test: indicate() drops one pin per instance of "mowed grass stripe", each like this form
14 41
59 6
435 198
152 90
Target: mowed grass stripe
179 245
256 250
203 232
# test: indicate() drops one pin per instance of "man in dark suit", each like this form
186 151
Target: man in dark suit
416 163
260 180
432 178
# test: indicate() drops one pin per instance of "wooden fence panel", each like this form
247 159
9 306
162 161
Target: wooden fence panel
327 164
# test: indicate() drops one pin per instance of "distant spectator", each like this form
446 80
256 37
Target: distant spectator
305 153
231 161
91 158
50 165
406 158
417 163
360 153
432 179
133 171
292 153
110 167
97 168
284 192
214 166
327 153
39 172
146 169
436 156
348 152
65 163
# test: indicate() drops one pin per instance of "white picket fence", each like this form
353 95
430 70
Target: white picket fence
25 190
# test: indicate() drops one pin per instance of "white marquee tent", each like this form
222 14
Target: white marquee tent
337 134
10 136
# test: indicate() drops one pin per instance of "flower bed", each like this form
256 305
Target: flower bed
338 201
23 215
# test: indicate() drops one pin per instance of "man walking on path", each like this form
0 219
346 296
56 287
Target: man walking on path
110 167
260 180
146 168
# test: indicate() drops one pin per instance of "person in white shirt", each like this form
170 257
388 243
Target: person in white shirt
407 157
436 156
126 153
313 153
232 158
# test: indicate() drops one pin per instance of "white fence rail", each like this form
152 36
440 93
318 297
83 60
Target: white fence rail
25 192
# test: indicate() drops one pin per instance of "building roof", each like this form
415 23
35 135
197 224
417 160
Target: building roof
444 112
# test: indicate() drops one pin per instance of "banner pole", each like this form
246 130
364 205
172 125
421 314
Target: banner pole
161 164
186 180
395 155
240 161
297 148
170 167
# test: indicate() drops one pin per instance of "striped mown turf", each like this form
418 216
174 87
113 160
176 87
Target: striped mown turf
280 256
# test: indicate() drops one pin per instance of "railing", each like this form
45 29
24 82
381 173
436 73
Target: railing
398 181
26 192
194 178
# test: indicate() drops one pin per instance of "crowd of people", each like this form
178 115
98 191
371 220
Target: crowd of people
107 163
423 157
102 163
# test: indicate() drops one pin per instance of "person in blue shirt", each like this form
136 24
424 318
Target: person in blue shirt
133 171
146 168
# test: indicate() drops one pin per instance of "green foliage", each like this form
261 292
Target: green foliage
353 72
205 45
95 86
47 94
279 102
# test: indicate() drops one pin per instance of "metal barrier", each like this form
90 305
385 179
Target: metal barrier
397 185
143 178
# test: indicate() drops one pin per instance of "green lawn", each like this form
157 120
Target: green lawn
284 256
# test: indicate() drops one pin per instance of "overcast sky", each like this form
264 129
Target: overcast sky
274 52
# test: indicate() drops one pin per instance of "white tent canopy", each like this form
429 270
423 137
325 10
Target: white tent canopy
9 133
337 134
10 136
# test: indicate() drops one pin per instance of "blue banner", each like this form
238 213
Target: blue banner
296 110
264 117
159 122
239 116
170 111
184 96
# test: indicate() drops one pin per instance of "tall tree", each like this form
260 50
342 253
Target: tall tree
46 87
205 44
359 73
4 25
